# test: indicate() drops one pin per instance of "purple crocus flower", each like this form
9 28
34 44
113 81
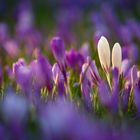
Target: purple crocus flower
58 79
74 59
107 97
57 46
69 124
126 64
42 72
20 62
85 50
23 76
94 74
86 85
104 94
58 49
3 32
134 77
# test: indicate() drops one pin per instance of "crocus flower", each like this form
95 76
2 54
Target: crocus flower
57 46
126 64
58 79
104 93
58 49
107 97
134 77
94 74
74 59
20 62
85 50
104 53
117 56
42 72
86 85
23 76
3 32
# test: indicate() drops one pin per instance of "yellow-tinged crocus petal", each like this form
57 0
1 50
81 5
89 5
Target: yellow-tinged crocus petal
117 56
104 53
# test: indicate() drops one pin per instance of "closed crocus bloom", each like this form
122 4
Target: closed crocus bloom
57 46
74 59
134 77
125 67
104 53
86 72
44 72
58 79
117 56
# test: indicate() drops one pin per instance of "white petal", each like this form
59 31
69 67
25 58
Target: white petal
104 53
117 56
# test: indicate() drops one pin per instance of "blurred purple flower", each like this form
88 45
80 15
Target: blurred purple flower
3 32
74 59
42 72
57 46
11 47
58 79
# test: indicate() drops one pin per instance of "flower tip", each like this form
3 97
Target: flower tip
104 53
117 56
57 46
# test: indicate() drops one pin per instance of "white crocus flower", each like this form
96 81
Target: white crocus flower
104 56
104 53
117 56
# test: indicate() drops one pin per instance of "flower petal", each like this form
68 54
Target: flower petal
117 56
104 53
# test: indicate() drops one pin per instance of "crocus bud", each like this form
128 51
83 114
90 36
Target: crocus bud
57 46
104 53
134 77
58 79
94 73
86 86
74 59
42 72
84 50
117 56
86 72
125 67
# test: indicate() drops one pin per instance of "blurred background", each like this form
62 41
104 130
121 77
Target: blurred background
76 21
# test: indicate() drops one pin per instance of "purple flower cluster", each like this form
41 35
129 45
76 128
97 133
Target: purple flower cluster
70 83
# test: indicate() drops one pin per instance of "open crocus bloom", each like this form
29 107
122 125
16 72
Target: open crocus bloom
104 54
